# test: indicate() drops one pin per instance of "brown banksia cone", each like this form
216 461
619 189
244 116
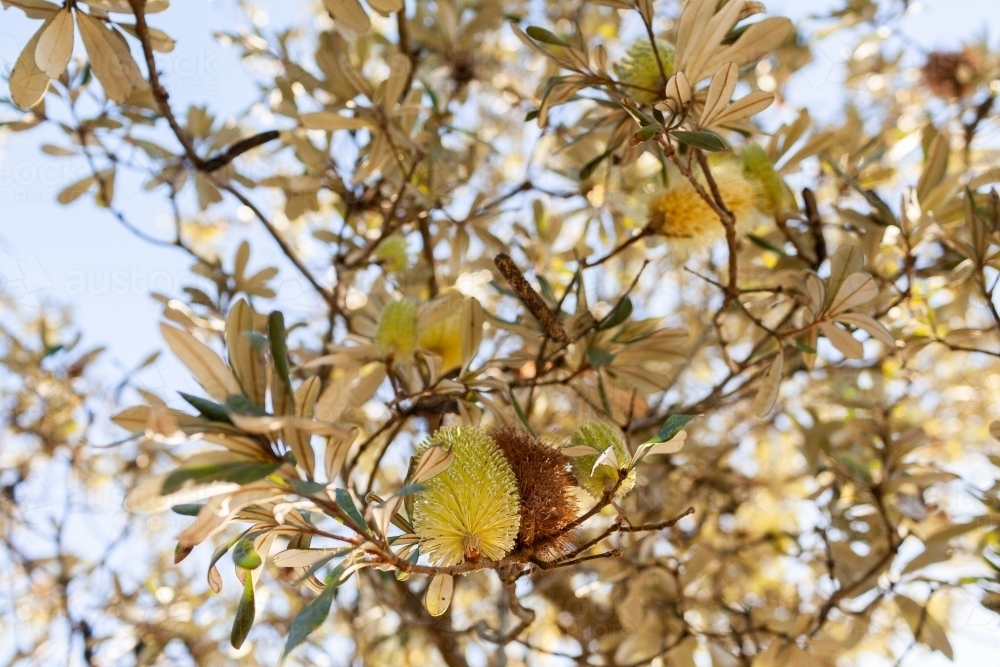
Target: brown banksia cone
951 74
548 503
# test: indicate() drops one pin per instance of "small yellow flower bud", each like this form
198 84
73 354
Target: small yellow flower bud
393 252
600 436
472 509
397 329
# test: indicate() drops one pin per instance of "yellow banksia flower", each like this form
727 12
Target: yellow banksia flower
773 195
444 338
600 436
639 68
397 329
394 254
472 510
688 222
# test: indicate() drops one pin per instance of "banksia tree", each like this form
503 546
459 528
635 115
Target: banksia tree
548 502
472 509
591 223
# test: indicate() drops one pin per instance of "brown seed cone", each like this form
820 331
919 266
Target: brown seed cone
546 484
950 74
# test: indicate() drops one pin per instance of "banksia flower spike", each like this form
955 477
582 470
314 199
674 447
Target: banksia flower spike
773 196
546 484
397 330
599 436
639 68
688 222
472 509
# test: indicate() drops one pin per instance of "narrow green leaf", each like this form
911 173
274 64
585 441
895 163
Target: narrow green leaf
315 613
531 115
703 139
242 405
208 409
544 36
618 315
237 471
765 244
670 428
282 399
605 403
244 614
800 344
346 503
188 509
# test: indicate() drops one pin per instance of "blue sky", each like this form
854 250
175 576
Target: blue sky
78 255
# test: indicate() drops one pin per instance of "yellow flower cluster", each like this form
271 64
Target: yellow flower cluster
472 510
682 215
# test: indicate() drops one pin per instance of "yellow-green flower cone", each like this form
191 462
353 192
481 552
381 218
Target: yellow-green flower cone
397 329
600 436
472 510
772 193
639 68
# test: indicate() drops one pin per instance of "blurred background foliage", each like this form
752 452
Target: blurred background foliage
842 469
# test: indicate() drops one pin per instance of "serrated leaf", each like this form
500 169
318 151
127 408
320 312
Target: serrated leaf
438 595
703 139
